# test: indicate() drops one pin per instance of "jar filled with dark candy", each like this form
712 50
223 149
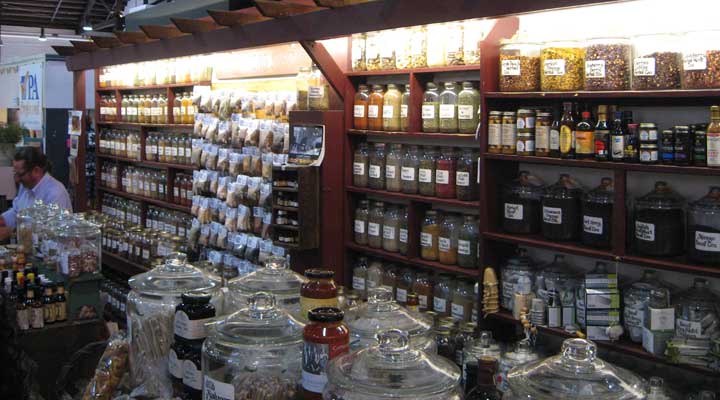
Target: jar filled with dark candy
521 211
561 209
660 222
704 228
597 209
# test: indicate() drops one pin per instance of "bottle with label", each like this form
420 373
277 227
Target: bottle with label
508 141
448 108
37 317
324 338
713 138
360 107
359 277
22 310
632 143
319 291
445 173
567 132
404 108
602 135
555 134
431 108
485 388
391 108
49 310
376 167
495 132
375 108
468 108
376 217
360 229
617 139
584 138
60 304
318 91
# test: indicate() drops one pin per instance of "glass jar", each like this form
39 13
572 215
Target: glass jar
656 62
423 287
375 222
403 235
372 51
429 233
468 108
404 286
519 67
409 171
79 247
561 210
360 108
597 211
391 108
660 222
387 49
318 91
376 167
522 212
522 354
254 353
150 315
520 265
359 277
361 164
389 280
454 48
607 64
274 277
562 66
483 347
391 230
442 295
393 166
445 173
403 48
392 369
418 46
325 338
375 275
375 108
508 140
431 108
358 52
426 172
448 239
696 312
495 132
404 108
362 216
466 174
576 373
448 109
701 60
636 297
468 242
704 228
462 300
436 45
319 290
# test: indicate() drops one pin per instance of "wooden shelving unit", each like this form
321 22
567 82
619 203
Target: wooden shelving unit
153 87
399 196
451 138
307 213
146 200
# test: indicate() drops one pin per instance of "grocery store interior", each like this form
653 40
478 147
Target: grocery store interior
359 200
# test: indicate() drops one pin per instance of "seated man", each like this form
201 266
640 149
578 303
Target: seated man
31 172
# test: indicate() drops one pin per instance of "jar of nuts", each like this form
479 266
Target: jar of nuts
656 62
607 64
519 67
562 66
701 60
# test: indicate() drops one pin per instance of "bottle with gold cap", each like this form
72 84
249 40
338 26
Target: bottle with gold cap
713 138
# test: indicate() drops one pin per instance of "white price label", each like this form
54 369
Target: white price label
707 241
407 173
373 229
592 225
447 110
595 69
425 175
694 61
514 211
554 67
358 168
442 176
644 66
552 215
428 111
645 231
465 112
510 67
462 178
373 111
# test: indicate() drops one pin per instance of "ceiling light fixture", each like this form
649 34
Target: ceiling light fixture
86 26
42 37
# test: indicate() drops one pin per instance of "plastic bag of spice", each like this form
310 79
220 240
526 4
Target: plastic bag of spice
110 369
237 131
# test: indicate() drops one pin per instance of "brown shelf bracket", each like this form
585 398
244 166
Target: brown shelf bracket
65 50
107 42
335 76
232 18
82 46
161 31
283 9
339 3
132 37
187 25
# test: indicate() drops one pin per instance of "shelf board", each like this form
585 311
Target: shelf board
284 189
291 209
157 164
539 241
428 70
678 264
397 257
116 158
657 168
464 138
623 346
147 87
286 227
415 197
121 264
614 94
138 124
156 202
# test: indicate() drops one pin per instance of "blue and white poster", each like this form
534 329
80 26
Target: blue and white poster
31 104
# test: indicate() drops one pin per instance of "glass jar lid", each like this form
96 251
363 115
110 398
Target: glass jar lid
661 198
565 188
710 203
519 261
173 278
526 185
576 373
393 369
275 277
602 194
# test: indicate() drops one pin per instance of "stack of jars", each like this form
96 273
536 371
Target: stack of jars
140 245
182 190
145 182
381 109
168 148
109 175
175 223
412 169
122 209
120 143
108 109
450 238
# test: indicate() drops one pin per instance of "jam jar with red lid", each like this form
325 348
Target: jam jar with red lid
325 338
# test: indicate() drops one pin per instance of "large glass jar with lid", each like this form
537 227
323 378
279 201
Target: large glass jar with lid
274 277
361 165
521 210
391 229
454 48
404 108
426 171
517 266
448 239
701 60
391 108
558 276
523 353
392 369
697 312
519 67
254 353
382 312
418 46
597 211
409 169
358 52
393 166
387 49
360 108
636 297
429 234
468 101
376 167
430 111
150 315
79 247
562 66
435 45
561 209
656 62
468 242
483 346
607 64
362 216
375 223
403 48
659 222
372 51
318 91
448 108
704 228
576 373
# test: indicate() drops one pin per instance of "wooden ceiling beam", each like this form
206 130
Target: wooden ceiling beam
84 46
65 50
232 18
187 25
283 9
161 31
107 42
132 37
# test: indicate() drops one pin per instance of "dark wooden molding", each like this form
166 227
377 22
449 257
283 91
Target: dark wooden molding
83 46
283 9
132 37
232 18
335 76
107 42
65 50
339 3
187 25
161 31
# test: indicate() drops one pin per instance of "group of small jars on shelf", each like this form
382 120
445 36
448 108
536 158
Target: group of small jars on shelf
645 62
168 148
531 132
160 72
120 143
564 211
455 109
413 169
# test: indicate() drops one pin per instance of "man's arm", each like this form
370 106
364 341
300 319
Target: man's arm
5 233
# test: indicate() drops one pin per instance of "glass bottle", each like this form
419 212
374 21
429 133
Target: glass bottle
359 277
302 83
360 108
584 138
468 242
468 108
462 300
713 138
403 230
431 108
448 240
376 167
485 388
442 295
318 91
448 108
466 176
617 139
375 275
409 170
391 230
391 108
404 108
155 109
188 108
375 108
361 163
426 171
602 135
177 109
445 173
429 234
375 223
393 166
567 132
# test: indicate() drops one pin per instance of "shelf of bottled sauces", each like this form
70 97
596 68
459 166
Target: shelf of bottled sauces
151 108
160 147
185 70
147 182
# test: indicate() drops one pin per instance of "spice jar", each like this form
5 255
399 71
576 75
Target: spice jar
360 108
563 64
542 134
391 108
508 141
495 120
442 295
701 60
362 215
436 45
404 285
387 49
372 51
326 337
466 176
473 35
462 300
423 287
403 48
431 108
318 291
409 170
448 108
660 222
375 221
359 277
525 137
468 101
375 108
376 167
429 233
426 172
448 239
454 43
561 209
636 298
375 275
656 62
519 67
393 165
597 210
704 228
521 204
418 46
403 234
391 229
358 52
468 242
361 165
607 64
516 267
445 172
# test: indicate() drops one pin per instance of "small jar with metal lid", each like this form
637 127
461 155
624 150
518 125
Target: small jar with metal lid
509 132
648 133
362 215
318 291
495 120
325 338
542 134
648 153
525 143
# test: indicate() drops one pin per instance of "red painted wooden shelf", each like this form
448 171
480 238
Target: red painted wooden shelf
620 94
397 257
284 189
138 124
156 202
116 158
164 86
658 168
622 346
450 137
429 70
121 264
157 164
677 264
539 241
415 197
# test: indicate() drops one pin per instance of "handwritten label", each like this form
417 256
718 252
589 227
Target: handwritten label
216 390
373 229
694 61
425 175
359 226
689 329
444 244
403 235
644 231
358 168
462 178
465 112
403 111
428 112
426 239
388 232
644 66
374 171
358 283
407 173
447 111
464 247
373 111
388 111
592 225
442 176
552 215
390 171
514 211
554 67
510 67
359 111
439 305
595 69
707 241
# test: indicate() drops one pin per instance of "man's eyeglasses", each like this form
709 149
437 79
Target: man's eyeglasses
20 174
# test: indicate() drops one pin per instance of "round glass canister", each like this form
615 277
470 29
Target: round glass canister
660 222
79 247
656 62
519 67
607 64
562 66
522 212
275 277
701 60
561 209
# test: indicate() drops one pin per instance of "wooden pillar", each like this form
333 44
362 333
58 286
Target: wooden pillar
80 188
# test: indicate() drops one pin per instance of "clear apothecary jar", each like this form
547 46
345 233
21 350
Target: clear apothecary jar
704 228
79 247
454 49
701 60
657 62
607 64
519 67
418 46
436 45
403 48
276 278
696 312
358 52
562 66
372 51
362 216
387 49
